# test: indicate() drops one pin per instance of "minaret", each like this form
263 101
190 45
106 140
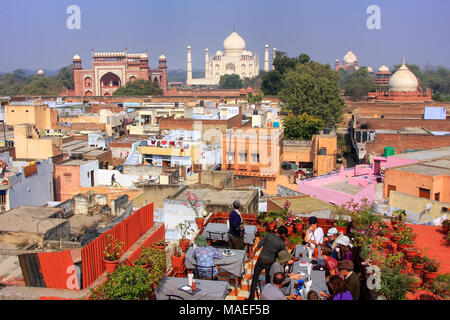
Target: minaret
274 53
206 63
266 58
189 66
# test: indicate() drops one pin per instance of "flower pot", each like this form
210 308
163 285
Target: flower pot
290 229
411 252
403 247
342 229
395 238
158 247
418 267
271 226
110 266
199 222
177 261
298 227
184 244
429 276
261 229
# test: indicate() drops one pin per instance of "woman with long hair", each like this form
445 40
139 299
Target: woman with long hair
338 289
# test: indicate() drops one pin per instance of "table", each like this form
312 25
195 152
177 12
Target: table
210 289
317 276
221 228
234 265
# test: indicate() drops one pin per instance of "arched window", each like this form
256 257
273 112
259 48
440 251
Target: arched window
87 82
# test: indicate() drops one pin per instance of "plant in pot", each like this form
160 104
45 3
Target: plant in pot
112 253
394 284
430 269
156 260
341 224
295 239
418 262
298 224
125 283
289 224
177 257
399 215
269 221
160 244
415 282
185 230
405 240
441 286
446 226
193 202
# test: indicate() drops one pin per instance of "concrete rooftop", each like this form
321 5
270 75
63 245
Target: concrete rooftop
304 204
220 197
344 187
425 154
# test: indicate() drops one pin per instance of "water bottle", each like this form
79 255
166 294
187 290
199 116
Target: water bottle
300 284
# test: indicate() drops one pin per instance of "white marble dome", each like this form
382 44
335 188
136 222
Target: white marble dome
76 57
383 68
162 57
40 72
350 58
403 80
369 69
233 44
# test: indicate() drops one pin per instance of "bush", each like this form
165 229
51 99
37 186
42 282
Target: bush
126 283
441 286
394 284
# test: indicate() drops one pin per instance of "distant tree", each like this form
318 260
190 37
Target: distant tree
255 99
359 85
312 88
43 86
65 75
271 83
254 82
139 87
301 127
230 81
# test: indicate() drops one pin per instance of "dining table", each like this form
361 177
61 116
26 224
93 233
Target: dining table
174 288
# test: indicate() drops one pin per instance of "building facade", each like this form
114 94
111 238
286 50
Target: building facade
112 70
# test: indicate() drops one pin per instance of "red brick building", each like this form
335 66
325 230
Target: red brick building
111 70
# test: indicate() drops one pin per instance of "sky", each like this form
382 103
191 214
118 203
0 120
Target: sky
34 33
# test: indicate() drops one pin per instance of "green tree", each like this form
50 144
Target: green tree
255 99
312 88
283 62
65 76
254 82
230 81
360 83
301 127
43 86
139 87
271 83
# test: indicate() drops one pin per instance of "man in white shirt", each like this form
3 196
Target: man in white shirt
314 234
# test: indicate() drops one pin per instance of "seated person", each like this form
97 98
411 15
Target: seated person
272 291
343 248
312 295
329 261
331 236
338 289
205 256
351 279
284 259
314 234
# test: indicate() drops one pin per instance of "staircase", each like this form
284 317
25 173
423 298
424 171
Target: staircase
134 158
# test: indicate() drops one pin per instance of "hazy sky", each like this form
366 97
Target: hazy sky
34 33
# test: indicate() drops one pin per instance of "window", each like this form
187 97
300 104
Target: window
437 196
243 157
230 156
390 188
255 157
424 193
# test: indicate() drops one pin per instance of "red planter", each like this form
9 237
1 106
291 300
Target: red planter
342 229
271 225
177 261
418 267
298 227
199 222
412 252
290 229
110 266
429 276
184 244
395 238
158 247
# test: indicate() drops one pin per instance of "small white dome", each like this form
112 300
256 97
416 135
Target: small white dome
162 57
370 69
40 72
219 53
76 57
384 68
350 58
403 80
233 43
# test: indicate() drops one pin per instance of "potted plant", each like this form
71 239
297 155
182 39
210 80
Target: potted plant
430 269
418 262
341 224
399 215
415 284
405 240
185 230
112 253
269 221
446 226
441 286
298 224
395 237
177 257
125 283
193 202
160 244
289 224
295 239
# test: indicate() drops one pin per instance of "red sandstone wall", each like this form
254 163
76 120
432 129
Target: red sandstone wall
398 124
402 142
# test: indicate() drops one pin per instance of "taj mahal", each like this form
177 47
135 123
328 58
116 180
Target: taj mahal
234 59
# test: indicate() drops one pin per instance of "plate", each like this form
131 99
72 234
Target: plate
188 289
228 254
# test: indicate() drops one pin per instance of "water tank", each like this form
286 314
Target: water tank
388 151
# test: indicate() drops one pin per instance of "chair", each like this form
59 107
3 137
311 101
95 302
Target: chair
223 242
205 272
174 297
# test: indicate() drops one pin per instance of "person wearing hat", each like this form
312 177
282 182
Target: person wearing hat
343 248
314 234
350 278
284 259
205 255
331 236
236 227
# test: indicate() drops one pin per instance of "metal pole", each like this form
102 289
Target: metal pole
4 132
